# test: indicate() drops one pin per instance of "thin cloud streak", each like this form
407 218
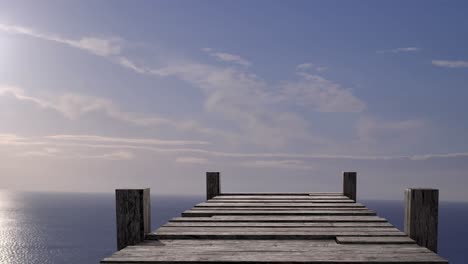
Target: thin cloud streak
12 139
191 160
303 67
399 50
103 139
227 57
97 46
278 164
450 63
74 106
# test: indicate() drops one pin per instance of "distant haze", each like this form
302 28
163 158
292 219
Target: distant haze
277 96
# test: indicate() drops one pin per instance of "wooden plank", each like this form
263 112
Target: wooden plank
199 213
285 208
280 201
279 224
279 209
280 197
275 229
271 251
293 245
284 194
214 234
299 204
280 219
375 240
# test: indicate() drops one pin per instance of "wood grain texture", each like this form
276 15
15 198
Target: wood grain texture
282 197
202 213
271 251
285 194
339 200
277 228
421 216
349 185
279 224
279 205
280 219
213 185
374 240
132 215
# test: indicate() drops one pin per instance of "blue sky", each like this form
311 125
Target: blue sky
97 95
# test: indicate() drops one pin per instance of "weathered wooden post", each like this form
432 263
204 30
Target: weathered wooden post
421 216
133 216
213 187
349 184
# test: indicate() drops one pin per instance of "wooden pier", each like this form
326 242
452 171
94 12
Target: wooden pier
277 228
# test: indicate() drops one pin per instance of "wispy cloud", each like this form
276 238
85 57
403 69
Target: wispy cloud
370 129
324 95
118 155
74 106
227 57
15 140
228 90
144 141
445 155
310 66
246 99
192 160
257 111
98 46
127 63
113 156
47 146
399 50
279 164
450 63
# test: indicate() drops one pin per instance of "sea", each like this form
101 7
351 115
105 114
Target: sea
80 227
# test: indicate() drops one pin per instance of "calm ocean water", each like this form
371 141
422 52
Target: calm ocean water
80 228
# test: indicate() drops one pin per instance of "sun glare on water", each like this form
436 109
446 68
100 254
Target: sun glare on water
17 237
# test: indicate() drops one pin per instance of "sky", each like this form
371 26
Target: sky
276 95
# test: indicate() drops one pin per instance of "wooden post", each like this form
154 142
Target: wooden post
421 216
349 185
212 185
133 216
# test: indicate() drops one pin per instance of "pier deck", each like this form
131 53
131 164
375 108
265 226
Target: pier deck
277 228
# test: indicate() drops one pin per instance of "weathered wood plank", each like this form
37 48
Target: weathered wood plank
200 213
294 245
271 251
280 219
279 224
281 197
279 209
266 235
280 201
275 229
285 194
374 240
299 204
278 230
